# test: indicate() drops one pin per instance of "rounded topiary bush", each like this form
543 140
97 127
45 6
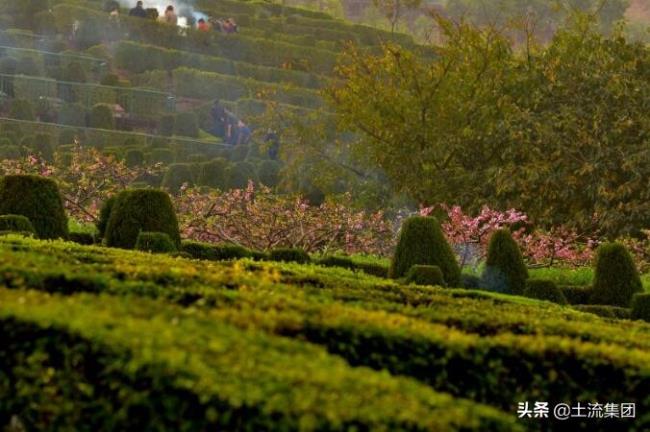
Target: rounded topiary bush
38 199
10 151
268 173
72 114
421 241
186 124
156 242
166 125
82 238
22 109
641 306
616 278
140 210
239 174
505 270
544 290
289 255
104 215
101 117
176 176
16 223
214 173
161 155
425 275
134 158
42 146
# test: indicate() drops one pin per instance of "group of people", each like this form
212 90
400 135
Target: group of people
232 130
169 17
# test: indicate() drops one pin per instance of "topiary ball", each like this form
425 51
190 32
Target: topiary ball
425 275
186 124
421 241
176 176
268 173
101 117
641 306
544 290
239 175
156 242
616 278
140 210
505 270
289 255
214 174
16 223
38 199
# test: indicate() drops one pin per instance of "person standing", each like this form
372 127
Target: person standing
170 16
138 11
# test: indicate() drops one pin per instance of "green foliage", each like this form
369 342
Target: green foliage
544 290
16 223
214 174
186 124
268 173
239 174
82 238
166 125
207 251
22 109
576 295
425 275
615 312
156 242
101 117
163 155
38 199
421 241
72 114
134 158
641 307
104 215
351 263
10 151
616 278
176 176
505 270
74 72
289 255
42 146
140 210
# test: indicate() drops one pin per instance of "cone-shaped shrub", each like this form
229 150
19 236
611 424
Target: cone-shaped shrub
616 278
156 242
544 290
39 200
425 275
505 270
16 223
641 307
289 255
421 241
177 174
140 210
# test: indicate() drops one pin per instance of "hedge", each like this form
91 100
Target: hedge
544 290
16 223
616 278
425 275
289 255
641 307
212 252
156 242
106 376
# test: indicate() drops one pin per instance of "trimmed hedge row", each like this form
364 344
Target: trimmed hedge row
106 372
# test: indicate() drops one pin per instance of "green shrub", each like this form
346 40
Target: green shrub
66 136
576 295
176 176
17 223
101 117
616 278
38 199
134 158
421 241
425 275
337 261
544 290
186 124
163 155
74 72
166 125
641 306
42 146
140 210
605 311
207 251
110 79
214 174
82 238
104 215
239 153
289 255
239 174
268 173
72 114
10 151
470 281
156 242
22 109
505 270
